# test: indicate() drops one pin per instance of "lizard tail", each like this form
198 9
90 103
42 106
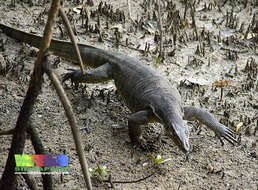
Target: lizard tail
60 48
30 39
91 56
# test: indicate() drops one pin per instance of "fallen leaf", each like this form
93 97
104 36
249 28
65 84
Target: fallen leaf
222 83
238 126
210 168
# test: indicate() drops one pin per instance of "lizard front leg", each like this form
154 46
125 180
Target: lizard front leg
194 113
100 74
136 120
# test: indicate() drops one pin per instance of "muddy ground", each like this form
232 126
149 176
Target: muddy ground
226 52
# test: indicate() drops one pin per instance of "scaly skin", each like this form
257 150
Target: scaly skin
148 95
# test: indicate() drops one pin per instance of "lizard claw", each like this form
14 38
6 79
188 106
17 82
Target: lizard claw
74 76
227 134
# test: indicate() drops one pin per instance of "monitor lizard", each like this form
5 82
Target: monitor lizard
149 95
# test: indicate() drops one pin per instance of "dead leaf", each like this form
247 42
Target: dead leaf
210 168
222 83
238 126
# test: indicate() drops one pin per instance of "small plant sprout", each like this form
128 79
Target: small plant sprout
100 172
92 172
158 160
157 59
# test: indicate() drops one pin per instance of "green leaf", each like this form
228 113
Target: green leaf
153 158
157 59
166 160
92 172
102 171
159 160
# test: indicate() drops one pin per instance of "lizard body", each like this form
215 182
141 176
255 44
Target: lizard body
150 96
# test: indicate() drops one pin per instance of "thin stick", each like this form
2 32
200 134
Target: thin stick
72 121
7 132
129 10
39 149
71 35
109 180
30 181
161 53
136 180
8 179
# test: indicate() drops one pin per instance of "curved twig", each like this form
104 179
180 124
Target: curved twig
8 179
109 180
72 121
71 35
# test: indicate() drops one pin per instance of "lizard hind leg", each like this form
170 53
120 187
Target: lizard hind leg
136 120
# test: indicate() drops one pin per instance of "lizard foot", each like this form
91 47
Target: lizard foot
226 133
137 140
75 76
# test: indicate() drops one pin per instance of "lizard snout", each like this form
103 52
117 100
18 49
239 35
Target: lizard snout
178 131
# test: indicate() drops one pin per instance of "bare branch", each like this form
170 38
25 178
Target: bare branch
8 179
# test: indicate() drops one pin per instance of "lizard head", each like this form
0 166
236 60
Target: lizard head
169 111
176 128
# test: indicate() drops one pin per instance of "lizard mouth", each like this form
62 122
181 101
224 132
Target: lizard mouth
178 131
181 143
